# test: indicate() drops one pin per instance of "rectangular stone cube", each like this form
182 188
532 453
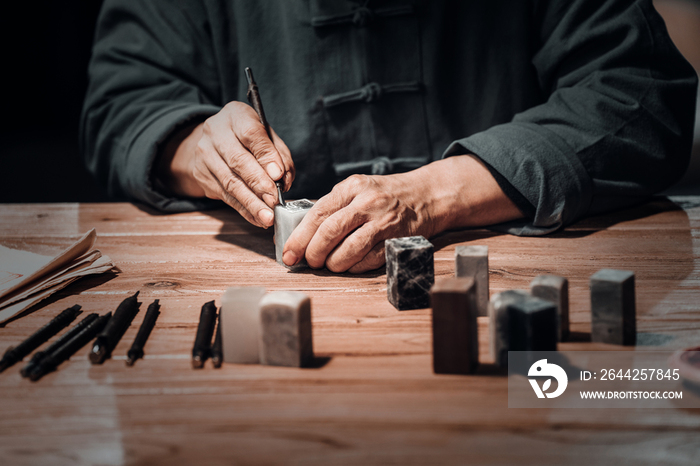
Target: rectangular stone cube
499 330
455 330
409 272
532 325
285 329
239 319
613 313
473 261
556 290
287 218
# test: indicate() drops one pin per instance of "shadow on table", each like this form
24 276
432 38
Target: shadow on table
261 241
240 233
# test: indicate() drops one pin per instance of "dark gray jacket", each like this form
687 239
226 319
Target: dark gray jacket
576 106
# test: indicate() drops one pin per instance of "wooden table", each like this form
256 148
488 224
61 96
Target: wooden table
375 400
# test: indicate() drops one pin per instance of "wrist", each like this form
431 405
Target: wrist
174 168
457 192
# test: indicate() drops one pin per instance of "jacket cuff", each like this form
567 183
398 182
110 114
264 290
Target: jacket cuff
540 166
143 150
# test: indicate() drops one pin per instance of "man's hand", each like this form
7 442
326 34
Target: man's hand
229 157
346 229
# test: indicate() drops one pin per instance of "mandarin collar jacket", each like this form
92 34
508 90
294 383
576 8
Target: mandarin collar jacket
575 106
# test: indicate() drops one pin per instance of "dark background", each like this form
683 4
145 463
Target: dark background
46 51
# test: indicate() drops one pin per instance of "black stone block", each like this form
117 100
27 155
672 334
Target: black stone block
409 272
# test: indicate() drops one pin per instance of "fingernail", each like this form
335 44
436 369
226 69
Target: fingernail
269 199
266 217
290 258
274 171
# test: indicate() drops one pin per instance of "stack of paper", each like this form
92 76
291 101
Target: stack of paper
27 278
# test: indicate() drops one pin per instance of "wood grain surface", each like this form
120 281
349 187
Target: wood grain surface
372 399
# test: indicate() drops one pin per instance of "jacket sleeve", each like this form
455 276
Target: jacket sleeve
616 127
152 70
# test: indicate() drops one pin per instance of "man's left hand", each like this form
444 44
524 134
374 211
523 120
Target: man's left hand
346 229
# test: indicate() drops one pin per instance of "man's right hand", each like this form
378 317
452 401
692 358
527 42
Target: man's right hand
229 157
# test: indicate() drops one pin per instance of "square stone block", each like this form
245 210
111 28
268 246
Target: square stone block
285 329
287 218
554 289
455 330
409 272
613 311
239 319
473 261
499 330
532 325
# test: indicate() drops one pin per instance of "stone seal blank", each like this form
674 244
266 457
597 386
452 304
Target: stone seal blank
556 290
455 330
287 218
532 325
285 329
473 261
409 272
613 313
239 319
499 331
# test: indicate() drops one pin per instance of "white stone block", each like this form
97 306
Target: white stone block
473 262
240 324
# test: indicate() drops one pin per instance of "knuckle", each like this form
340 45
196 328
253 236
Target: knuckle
262 149
233 157
234 106
200 178
313 262
359 243
314 258
330 230
229 184
318 211
200 150
208 127
356 182
250 133
255 183
335 266
374 261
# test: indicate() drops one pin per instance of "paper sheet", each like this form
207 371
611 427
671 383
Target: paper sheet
27 278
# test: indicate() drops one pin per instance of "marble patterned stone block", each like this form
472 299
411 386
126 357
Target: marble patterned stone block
455 330
613 313
239 319
532 325
285 329
499 331
287 218
473 261
554 289
409 272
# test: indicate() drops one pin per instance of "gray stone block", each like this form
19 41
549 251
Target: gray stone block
532 325
613 314
285 329
239 319
499 331
455 331
287 218
556 290
409 272
473 261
